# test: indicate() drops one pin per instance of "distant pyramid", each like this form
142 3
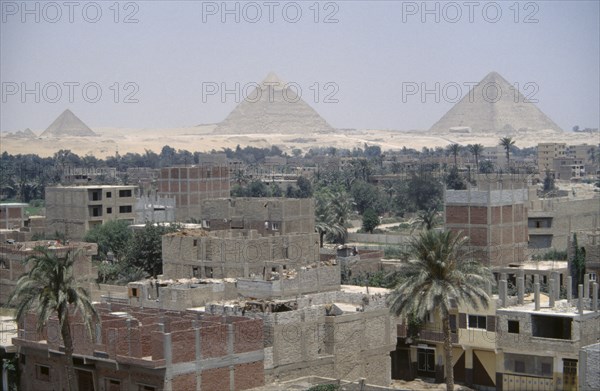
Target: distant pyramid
268 110
68 124
27 133
494 106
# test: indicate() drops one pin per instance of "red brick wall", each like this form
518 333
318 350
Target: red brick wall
457 215
249 375
478 236
478 215
214 341
496 214
183 345
507 214
248 336
186 381
215 379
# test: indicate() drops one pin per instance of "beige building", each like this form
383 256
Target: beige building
547 152
233 253
74 210
12 215
268 216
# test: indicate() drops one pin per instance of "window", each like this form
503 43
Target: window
477 322
108 211
143 387
513 326
208 271
109 195
275 226
195 242
134 292
124 193
546 369
195 272
426 360
4 264
519 366
125 209
453 323
593 277
548 326
42 372
112 385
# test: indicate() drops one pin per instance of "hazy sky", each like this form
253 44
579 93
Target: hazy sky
361 61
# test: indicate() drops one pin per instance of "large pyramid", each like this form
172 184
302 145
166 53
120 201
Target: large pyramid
67 125
273 108
495 106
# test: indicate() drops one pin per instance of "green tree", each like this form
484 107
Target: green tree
454 180
304 188
506 143
145 247
365 196
426 219
328 222
577 263
454 150
112 236
370 220
441 270
476 150
50 288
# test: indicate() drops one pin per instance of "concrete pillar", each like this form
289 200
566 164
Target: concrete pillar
580 301
556 287
536 278
469 366
586 285
569 288
551 292
595 297
521 289
536 296
128 322
503 292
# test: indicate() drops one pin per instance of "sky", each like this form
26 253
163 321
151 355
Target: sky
155 64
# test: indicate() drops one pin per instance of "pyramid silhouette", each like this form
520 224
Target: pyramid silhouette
273 107
495 106
27 133
67 124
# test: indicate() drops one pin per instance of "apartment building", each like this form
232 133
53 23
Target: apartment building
494 217
192 185
74 210
547 152
268 216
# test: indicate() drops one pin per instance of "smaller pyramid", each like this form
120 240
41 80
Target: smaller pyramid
69 125
27 133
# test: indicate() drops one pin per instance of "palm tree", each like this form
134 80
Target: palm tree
476 150
426 219
48 288
454 149
507 142
440 271
327 222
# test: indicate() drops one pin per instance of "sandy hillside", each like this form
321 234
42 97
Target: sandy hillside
201 138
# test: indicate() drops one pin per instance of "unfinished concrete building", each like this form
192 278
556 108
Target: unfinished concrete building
343 334
233 253
185 293
13 265
12 215
538 343
519 342
189 186
74 210
552 221
268 216
494 217
146 350
152 207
